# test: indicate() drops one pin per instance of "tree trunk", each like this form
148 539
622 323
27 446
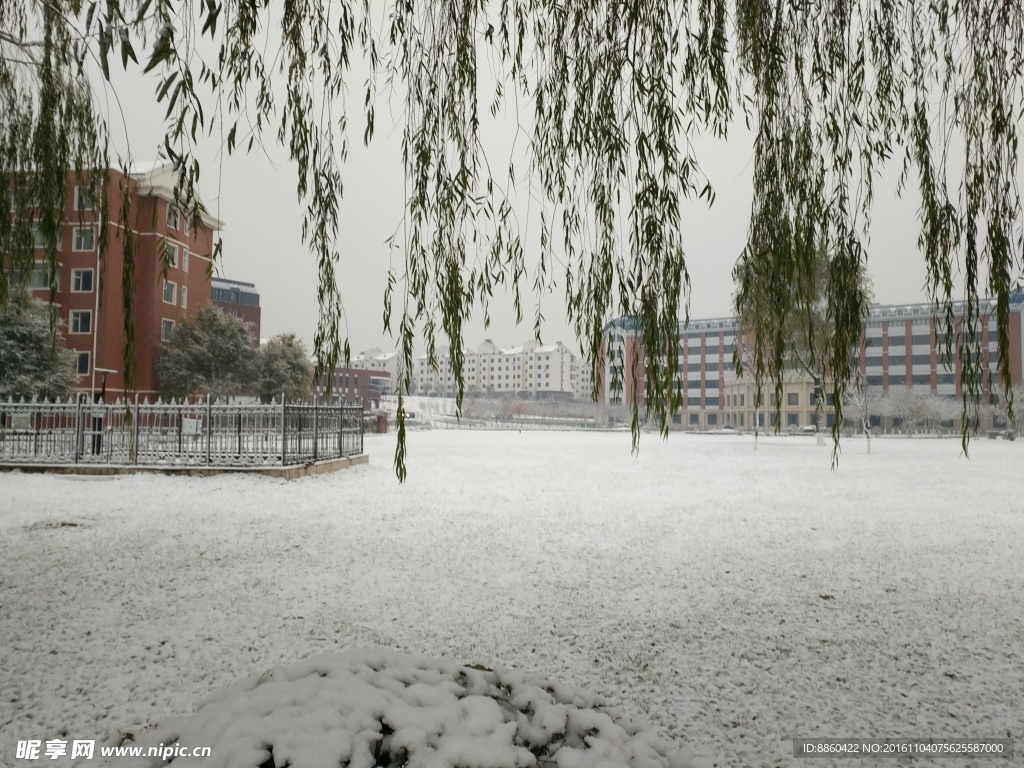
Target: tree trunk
819 411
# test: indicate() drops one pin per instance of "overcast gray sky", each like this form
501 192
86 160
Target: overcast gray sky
255 196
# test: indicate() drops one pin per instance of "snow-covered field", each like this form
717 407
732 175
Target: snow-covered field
735 599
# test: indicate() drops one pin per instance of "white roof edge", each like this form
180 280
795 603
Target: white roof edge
151 177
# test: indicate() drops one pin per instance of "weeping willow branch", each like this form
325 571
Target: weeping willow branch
612 96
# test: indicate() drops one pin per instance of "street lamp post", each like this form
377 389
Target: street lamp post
97 412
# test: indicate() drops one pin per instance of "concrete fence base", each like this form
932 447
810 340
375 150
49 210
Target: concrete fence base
288 473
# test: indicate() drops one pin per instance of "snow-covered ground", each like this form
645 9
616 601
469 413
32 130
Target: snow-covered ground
735 599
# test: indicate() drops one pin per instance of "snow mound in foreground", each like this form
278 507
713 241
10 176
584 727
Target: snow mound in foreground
371 708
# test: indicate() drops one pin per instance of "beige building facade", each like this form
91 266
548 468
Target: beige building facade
797 411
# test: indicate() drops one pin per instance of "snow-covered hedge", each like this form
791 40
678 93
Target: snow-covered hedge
371 708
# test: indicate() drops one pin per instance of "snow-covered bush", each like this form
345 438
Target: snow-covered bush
372 708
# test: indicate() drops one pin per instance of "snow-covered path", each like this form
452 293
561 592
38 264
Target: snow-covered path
736 599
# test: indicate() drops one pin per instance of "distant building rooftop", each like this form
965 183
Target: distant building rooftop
225 283
224 291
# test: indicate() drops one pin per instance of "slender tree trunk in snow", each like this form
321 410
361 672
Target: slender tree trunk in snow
819 411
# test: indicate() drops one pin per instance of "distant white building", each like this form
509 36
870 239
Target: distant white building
378 360
583 379
529 370
552 364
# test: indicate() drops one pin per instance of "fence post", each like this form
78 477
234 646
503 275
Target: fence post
78 429
284 430
341 430
109 429
316 430
362 429
209 425
35 439
135 431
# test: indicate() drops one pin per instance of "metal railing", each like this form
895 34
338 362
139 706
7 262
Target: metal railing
178 434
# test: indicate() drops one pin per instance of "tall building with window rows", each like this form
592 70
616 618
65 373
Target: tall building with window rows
89 283
901 350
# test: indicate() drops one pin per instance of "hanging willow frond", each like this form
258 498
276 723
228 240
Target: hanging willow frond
611 95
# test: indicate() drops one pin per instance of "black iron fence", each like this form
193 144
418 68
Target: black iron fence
178 434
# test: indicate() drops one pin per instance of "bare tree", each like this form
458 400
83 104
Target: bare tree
857 401
907 406
513 410
1014 415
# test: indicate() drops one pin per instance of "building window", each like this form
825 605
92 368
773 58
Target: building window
85 239
184 260
166 330
792 419
170 292
39 239
925 379
921 359
172 217
792 398
84 200
39 279
80 321
897 359
184 297
83 363
81 281
712 419
897 381
170 255
694 418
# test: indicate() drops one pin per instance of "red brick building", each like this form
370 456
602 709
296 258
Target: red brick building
238 299
89 282
354 385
